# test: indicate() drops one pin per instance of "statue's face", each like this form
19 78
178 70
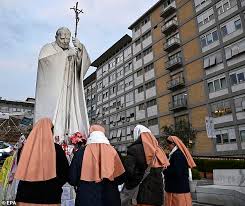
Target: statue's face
63 39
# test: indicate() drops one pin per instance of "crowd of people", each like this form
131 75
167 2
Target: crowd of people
97 170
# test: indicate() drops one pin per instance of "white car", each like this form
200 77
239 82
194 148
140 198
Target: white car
5 149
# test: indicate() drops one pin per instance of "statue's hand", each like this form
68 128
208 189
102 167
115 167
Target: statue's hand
71 52
76 43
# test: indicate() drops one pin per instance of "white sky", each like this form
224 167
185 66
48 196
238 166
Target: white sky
26 25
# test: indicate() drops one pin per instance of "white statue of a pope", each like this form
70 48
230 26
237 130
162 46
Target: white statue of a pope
59 87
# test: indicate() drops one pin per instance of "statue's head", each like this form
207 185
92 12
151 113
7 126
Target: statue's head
63 36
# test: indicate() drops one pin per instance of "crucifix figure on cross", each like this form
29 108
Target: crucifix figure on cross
77 12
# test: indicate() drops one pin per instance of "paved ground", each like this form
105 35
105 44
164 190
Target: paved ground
201 182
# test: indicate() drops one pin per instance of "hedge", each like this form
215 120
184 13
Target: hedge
195 174
207 165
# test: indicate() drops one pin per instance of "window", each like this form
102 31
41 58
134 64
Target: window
5 109
238 24
105 82
113 104
222 138
100 84
127 52
231 27
172 40
119 58
224 5
130 97
120 86
138 57
151 103
150 84
240 104
128 67
146 20
209 38
237 78
129 81
140 89
212 60
99 72
173 59
93 88
99 97
105 94
152 122
113 76
105 68
142 106
167 3
137 42
199 4
112 63
145 36
170 22
221 108
136 28
130 113
217 85
147 51
235 49
140 72
225 136
149 67
120 101
113 89
205 17
179 99
242 135
120 72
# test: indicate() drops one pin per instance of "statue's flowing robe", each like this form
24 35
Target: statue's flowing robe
60 92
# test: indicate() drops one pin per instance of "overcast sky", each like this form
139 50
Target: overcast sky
26 25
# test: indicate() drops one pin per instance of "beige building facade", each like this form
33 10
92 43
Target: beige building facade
185 60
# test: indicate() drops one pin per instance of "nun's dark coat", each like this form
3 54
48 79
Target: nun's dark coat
46 192
104 193
151 189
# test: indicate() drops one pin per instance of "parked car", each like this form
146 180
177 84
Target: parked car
5 149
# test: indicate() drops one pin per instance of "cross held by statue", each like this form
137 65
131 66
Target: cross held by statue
77 12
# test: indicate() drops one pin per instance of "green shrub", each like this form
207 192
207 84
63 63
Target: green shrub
207 165
195 174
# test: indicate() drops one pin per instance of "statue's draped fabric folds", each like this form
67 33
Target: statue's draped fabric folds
59 89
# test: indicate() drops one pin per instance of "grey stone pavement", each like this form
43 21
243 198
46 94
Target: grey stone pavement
194 202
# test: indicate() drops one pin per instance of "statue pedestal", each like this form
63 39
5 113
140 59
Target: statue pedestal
68 195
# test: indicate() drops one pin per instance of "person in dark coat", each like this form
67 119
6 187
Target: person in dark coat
96 171
42 169
143 152
177 189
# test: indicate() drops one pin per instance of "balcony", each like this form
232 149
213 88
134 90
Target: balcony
168 8
172 44
176 83
179 104
174 63
170 27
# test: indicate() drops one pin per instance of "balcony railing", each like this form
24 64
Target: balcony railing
168 9
174 63
172 44
176 83
178 104
170 27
